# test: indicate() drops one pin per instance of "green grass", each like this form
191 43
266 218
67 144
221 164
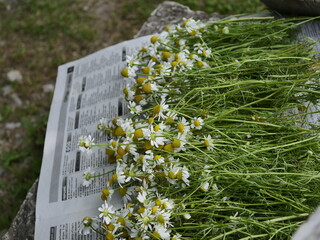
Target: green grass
37 37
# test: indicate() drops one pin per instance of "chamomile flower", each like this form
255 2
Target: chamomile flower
149 68
149 87
145 162
106 212
183 174
161 232
129 73
87 224
133 173
171 173
163 37
102 125
127 193
88 176
107 193
165 69
183 139
134 108
187 216
208 142
142 197
160 109
146 220
204 187
86 143
225 30
162 217
121 173
183 126
129 93
130 147
176 237
156 138
197 123
133 61
192 26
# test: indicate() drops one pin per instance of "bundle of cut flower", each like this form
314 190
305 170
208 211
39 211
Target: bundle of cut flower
218 145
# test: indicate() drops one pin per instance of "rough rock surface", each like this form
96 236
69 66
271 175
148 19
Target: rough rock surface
167 13
22 227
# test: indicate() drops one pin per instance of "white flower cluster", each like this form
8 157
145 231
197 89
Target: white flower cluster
144 146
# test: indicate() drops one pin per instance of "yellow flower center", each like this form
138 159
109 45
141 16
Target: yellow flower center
154 209
166 55
156 235
138 133
115 177
176 143
153 39
110 152
156 128
146 70
193 33
185 22
174 63
160 219
169 120
204 53
206 143
109 236
147 88
112 159
121 221
181 127
125 91
200 64
150 120
106 192
125 72
197 123
156 109
114 121
141 210
119 132
168 148
110 227
138 98
147 145
140 80
123 191
171 175
113 144
158 202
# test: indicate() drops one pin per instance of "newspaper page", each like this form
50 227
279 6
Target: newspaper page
86 91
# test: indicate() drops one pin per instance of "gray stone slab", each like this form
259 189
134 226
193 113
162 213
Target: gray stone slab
22 227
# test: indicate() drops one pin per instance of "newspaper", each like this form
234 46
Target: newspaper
86 91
